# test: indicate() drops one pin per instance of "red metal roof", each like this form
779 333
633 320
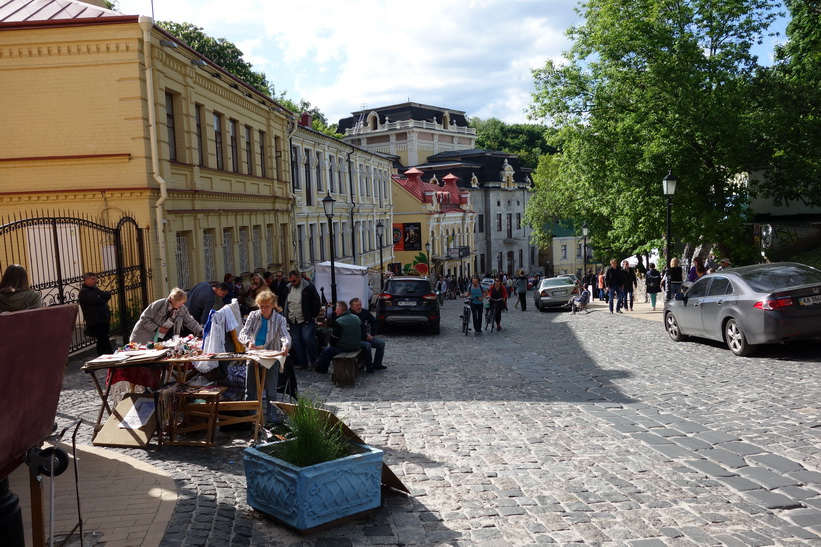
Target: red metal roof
15 11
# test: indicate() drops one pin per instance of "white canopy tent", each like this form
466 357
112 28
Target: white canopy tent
352 281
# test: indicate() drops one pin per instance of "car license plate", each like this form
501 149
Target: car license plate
810 300
407 303
559 293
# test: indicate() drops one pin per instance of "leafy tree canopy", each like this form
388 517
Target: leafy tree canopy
650 86
788 100
529 141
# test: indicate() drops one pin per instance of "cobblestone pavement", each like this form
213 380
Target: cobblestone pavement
561 429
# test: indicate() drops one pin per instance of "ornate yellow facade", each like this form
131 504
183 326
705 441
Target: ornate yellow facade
111 116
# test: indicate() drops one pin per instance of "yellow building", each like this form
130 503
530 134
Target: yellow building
431 220
359 183
107 115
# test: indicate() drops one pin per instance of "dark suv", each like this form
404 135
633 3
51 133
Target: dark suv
407 301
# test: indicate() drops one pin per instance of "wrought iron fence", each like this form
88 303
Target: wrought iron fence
56 249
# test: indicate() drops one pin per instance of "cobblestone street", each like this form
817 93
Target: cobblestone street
589 429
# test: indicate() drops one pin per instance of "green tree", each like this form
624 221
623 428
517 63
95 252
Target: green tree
528 141
220 51
650 86
789 111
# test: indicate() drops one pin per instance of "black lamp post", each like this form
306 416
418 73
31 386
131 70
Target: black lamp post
380 229
427 253
328 204
585 231
668 186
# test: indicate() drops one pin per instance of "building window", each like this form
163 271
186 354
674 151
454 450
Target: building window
243 250
578 250
482 265
361 175
521 258
183 259
249 152
480 224
341 232
256 244
318 170
295 167
322 242
269 242
498 222
311 239
233 145
198 109
208 254
171 127
228 249
518 221
510 225
331 169
284 235
564 252
262 171
309 189
498 262
300 237
218 140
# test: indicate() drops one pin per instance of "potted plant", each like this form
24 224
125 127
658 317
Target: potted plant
315 475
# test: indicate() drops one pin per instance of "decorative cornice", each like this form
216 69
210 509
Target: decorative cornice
69 49
86 158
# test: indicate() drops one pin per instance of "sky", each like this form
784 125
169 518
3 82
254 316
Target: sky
470 55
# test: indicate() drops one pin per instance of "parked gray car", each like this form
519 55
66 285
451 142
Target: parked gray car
554 292
748 306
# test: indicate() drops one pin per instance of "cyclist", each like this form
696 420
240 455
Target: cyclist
477 295
498 299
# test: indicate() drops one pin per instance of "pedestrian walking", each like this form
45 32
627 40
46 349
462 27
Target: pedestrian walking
613 281
521 290
477 297
674 278
630 283
653 284
96 313
498 299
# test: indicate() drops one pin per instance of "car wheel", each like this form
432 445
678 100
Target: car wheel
379 327
672 327
735 339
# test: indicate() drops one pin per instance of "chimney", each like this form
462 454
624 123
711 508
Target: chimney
306 120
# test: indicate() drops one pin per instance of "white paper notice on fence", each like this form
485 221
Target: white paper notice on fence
138 415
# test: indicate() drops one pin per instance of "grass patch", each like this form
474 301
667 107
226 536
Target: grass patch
314 436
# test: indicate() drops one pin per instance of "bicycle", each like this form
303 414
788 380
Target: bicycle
466 317
490 312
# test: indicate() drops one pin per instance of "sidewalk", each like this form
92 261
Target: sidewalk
640 309
127 501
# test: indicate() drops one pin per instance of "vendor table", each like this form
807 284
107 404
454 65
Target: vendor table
176 368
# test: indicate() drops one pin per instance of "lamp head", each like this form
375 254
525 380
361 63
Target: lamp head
328 204
668 184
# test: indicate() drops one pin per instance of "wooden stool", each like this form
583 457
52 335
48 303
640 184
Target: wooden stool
184 415
345 365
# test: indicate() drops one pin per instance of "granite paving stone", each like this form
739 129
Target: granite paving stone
548 432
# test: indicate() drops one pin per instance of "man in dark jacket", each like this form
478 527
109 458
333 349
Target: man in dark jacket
301 308
613 282
368 340
94 303
204 297
280 286
630 283
345 336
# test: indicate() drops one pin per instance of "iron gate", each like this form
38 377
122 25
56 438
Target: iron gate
57 250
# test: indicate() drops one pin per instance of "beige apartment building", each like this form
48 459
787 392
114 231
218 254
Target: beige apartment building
106 115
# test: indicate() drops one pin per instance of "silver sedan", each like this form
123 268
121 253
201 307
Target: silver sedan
748 306
554 292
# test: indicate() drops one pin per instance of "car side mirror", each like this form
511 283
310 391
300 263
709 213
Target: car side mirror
679 296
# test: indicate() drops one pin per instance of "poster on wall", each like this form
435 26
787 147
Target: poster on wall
397 238
412 236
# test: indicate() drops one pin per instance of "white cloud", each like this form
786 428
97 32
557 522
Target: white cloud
474 56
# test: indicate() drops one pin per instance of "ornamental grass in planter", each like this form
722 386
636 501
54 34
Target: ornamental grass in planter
315 476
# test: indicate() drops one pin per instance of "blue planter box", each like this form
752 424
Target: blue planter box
306 497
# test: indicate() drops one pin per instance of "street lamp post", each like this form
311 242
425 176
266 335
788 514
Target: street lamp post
585 231
668 186
328 204
380 229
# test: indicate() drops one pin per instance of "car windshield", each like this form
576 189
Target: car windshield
557 281
774 277
408 287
